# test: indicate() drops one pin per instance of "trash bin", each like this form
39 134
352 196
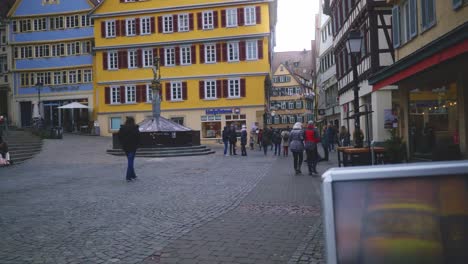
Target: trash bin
56 133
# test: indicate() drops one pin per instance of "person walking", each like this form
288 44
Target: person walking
243 140
296 143
259 139
232 140
277 141
285 138
344 137
331 136
4 154
226 140
252 140
271 139
325 143
311 138
129 137
266 140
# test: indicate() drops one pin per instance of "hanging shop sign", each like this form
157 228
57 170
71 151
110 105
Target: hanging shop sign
218 111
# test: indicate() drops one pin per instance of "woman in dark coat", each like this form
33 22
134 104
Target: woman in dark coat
129 137
226 139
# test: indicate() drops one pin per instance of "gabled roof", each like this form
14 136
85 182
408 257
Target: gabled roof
299 63
36 7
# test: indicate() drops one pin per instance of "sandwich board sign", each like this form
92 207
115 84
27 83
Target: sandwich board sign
410 213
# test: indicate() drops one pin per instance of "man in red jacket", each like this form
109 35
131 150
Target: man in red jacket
311 138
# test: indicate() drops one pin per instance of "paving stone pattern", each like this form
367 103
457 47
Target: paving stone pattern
71 204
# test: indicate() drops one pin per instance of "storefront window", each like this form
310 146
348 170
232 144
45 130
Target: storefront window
433 120
115 123
211 126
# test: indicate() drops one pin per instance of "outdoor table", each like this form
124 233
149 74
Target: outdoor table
341 157
360 156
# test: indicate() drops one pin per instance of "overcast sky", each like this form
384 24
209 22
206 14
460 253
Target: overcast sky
296 22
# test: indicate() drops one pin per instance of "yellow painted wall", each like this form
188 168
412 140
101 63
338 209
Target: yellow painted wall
447 19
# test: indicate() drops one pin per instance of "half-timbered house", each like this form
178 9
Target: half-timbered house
373 19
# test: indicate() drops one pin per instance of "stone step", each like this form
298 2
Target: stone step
21 157
24 146
24 151
161 155
166 151
162 151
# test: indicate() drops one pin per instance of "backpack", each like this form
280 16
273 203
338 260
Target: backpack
286 136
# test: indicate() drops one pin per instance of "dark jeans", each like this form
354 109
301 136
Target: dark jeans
312 157
226 143
278 149
243 150
325 151
232 148
130 169
285 150
265 148
298 158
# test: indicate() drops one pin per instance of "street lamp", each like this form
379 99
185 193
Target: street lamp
353 45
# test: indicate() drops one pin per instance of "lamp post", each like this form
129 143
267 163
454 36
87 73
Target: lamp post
353 45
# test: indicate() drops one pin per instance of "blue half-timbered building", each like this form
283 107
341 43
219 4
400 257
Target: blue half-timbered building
51 42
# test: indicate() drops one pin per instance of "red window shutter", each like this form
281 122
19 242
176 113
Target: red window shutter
143 93
168 91
260 49
202 53
225 88
184 91
138 93
117 28
242 87
191 22
215 19
153 25
107 95
139 58
258 14
199 21
155 52
218 89
240 16
193 53
122 94
201 89
103 29
123 28
225 52
177 55
218 52
242 50
122 1
175 23
104 61
162 56
223 18
137 25
123 59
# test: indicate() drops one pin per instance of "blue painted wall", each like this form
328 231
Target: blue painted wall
47 89
46 63
35 7
53 35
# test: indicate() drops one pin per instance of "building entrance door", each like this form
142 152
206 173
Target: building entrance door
26 114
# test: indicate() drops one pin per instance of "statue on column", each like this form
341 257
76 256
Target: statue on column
156 88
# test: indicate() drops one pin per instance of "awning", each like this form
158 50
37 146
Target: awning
447 47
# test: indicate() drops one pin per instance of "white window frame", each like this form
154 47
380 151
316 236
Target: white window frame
176 91
132 59
115 95
291 105
169 55
234 88
147 59
183 22
185 55
130 27
110 29
208 20
231 17
168 24
210 53
72 77
57 78
112 60
233 51
145 26
88 76
251 50
149 94
250 16
210 89
284 119
130 94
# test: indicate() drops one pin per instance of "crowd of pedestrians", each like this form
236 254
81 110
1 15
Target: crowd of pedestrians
281 142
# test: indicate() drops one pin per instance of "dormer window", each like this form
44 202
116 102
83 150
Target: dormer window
50 2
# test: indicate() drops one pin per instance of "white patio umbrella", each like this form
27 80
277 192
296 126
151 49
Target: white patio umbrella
73 105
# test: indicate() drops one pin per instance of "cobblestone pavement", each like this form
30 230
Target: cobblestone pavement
71 204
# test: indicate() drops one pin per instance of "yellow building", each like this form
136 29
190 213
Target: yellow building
291 98
429 78
215 58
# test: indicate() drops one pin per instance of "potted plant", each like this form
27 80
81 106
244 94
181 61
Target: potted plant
395 148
